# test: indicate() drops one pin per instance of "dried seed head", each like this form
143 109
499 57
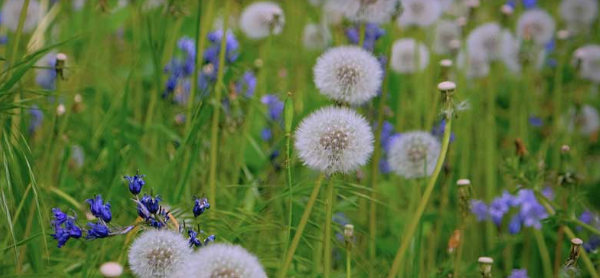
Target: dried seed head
485 266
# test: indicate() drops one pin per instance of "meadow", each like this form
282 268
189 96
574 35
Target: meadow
299 138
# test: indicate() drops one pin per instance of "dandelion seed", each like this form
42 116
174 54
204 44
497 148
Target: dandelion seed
260 19
409 56
315 36
11 13
158 254
536 25
419 12
414 154
334 140
349 74
225 261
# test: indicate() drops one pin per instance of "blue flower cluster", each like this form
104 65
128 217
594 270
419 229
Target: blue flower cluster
527 4
530 213
148 209
372 34
46 77
593 220
274 110
518 273
246 85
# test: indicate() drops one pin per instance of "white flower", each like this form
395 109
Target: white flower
11 11
218 260
414 154
445 32
159 253
586 120
537 25
406 58
512 55
589 59
474 64
334 140
578 13
259 19
334 10
348 73
486 41
371 11
315 36
419 12
111 269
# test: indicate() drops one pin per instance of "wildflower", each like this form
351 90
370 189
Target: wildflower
36 118
11 13
518 273
409 56
260 19
200 205
578 13
159 254
445 32
535 121
136 183
485 41
111 269
151 204
592 243
315 36
64 227
99 209
531 211
479 208
419 12
438 131
209 239
349 74
414 154
247 84
500 206
97 230
266 134
211 54
515 224
334 140
536 25
475 65
46 73
224 260
372 34
371 11
274 106
194 241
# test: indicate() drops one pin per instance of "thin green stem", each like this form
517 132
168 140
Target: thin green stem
214 131
547 265
300 230
423 203
348 262
329 199
362 33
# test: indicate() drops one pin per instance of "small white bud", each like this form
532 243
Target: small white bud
61 57
562 34
78 98
446 86
463 182
111 269
60 110
349 231
446 63
507 9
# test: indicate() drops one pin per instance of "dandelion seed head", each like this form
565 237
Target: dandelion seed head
409 56
589 59
11 12
446 32
485 41
159 253
414 154
334 140
536 25
219 260
260 19
419 12
587 120
349 74
475 65
370 11
315 36
578 13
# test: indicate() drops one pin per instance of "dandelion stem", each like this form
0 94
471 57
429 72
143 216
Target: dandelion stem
362 33
423 203
214 131
329 198
348 262
298 235
289 118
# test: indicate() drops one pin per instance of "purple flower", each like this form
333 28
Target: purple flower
384 166
266 134
586 217
479 208
518 273
274 105
592 243
150 203
64 227
515 225
99 209
194 241
531 210
548 192
209 239
200 205
97 230
59 217
36 119
247 84
211 54
499 207
535 121
372 34
135 183
46 77
438 131
529 4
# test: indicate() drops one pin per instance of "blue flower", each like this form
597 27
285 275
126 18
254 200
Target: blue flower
592 243
529 4
515 225
3 40
194 241
266 134
479 208
99 209
274 105
247 84
59 217
46 77
209 239
438 131
531 210
384 166
535 121
211 54
36 119
499 207
511 3
136 183
200 205
150 203
372 34
97 230
64 227
518 273
586 217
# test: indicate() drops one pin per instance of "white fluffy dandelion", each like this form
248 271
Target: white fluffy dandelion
218 260
260 19
348 73
11 11
419 12
409 56
536 25
333 11
586 120
446 32
589 59
371 11
159 253
475 65
578 13
486 41
334 140
414 154
315 36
